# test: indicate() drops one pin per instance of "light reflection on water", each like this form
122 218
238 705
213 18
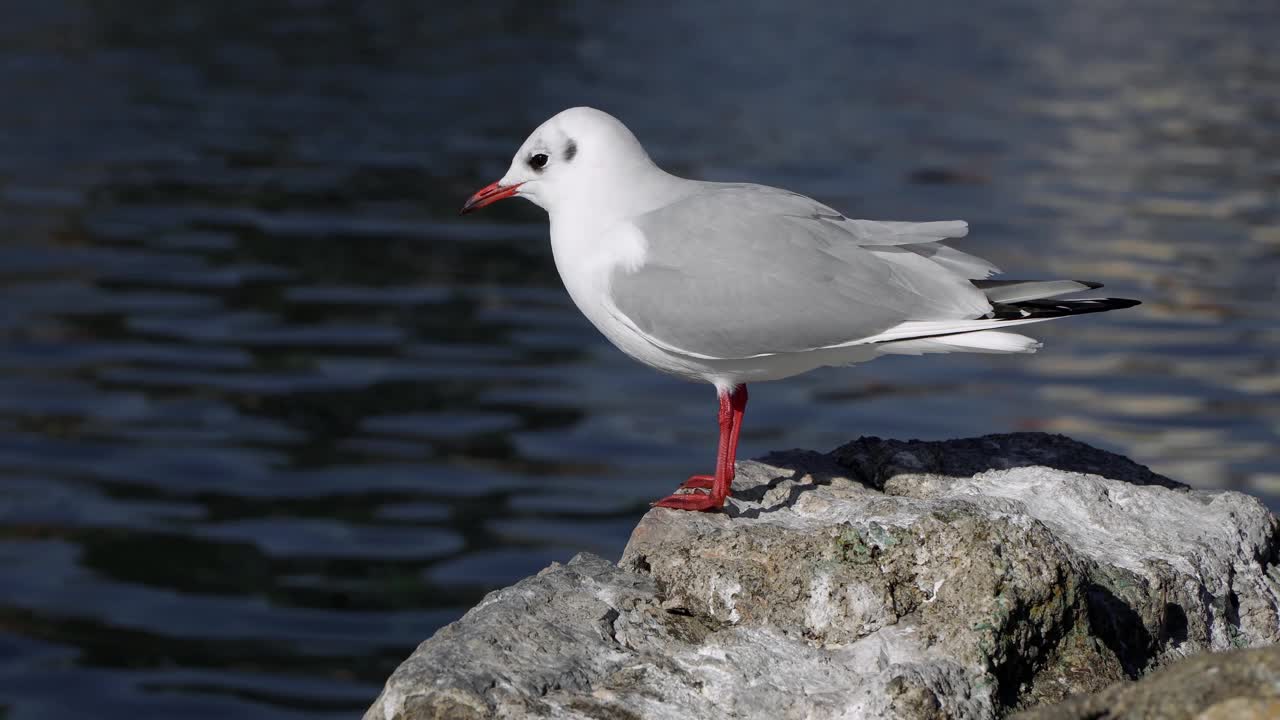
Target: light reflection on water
270 414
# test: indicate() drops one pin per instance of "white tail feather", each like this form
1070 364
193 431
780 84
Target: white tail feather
985 341
915 329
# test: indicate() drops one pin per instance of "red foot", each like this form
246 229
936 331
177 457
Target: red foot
691 495
699 481
689 501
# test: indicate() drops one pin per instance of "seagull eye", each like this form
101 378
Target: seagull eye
539 161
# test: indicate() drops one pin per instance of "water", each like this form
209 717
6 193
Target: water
270 413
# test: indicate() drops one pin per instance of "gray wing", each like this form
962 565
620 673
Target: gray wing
735 271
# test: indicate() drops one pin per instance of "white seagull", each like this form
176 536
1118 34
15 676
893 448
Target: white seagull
731 283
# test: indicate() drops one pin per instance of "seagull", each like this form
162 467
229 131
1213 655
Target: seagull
736 283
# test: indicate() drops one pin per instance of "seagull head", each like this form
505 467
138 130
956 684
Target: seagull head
582 156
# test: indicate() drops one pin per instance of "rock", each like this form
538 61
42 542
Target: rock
1242 709
959 579
1236 685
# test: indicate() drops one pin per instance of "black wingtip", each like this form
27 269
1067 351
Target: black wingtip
1060 308
1090 284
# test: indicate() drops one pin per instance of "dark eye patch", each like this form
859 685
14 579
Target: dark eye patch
538 161
570 150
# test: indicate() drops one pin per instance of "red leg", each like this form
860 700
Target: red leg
732 407
726 469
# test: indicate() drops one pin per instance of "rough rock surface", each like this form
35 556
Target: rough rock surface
1236 685
961 579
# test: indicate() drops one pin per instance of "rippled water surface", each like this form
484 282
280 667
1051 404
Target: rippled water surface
270 413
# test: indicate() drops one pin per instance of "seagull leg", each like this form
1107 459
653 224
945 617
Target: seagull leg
732 407
727 459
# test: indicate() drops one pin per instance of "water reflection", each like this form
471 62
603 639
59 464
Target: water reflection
269 414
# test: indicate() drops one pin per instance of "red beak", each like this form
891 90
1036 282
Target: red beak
488 195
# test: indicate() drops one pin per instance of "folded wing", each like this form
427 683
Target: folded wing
736 271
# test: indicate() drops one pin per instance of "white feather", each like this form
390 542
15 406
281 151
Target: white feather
986 341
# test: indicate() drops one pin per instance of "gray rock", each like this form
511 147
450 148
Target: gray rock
1235 685
886 579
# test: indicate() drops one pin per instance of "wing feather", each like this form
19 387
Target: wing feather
737 271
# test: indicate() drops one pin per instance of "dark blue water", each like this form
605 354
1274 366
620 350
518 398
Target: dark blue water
270 413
